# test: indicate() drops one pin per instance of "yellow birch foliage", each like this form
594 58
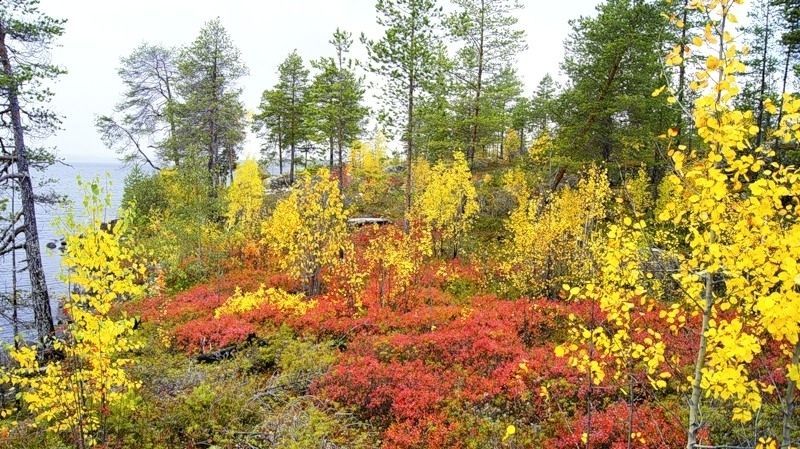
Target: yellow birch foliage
242 302
74 395
511 143
740 241
548 237
245 198
637 195
625 293
541 148
422 173
396 257
368 170
447 202
307 230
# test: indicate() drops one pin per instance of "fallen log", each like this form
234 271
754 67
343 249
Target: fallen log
218 355
364 221
227 352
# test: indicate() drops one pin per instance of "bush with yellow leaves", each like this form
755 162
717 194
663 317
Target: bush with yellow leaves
370 181
625 292
445 202
395 258
242 302
548 237
732 209
245 198
72 396
511 143
308 230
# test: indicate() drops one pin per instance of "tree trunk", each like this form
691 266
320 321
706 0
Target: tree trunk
280 145
293 138
340 144
409 152
789 404
14 303
42 314
473 141
213 145
330 164
502 144
762 87
291 164
682 70
231 162
783 90
174 152
607 144
409 138
699 364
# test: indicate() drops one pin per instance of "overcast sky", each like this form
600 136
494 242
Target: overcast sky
100 32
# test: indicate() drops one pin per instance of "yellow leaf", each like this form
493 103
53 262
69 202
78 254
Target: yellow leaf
510 431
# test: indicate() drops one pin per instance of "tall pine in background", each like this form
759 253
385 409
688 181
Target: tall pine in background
488 45
613 63
336 97
406 57
212 117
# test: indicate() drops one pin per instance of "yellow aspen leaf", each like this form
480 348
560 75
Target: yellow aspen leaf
510 431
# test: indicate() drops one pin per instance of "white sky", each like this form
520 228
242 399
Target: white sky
100 32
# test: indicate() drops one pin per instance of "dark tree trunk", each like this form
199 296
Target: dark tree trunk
763 86
293 137
173 152
43 316
280 145
790 403
409 139
340 144
213 144
473 141
787 63
330 163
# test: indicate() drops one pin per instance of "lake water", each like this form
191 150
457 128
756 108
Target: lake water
65 183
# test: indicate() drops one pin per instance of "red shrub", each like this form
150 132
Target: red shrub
204 334
386 391
652 427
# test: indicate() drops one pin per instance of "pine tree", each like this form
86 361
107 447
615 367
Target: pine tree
489 43
496 107
212 117
762 63
406 57
335 99
147 111
613 63
270 125
789 11
543 104
521 119
438 132
290 104
26 34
